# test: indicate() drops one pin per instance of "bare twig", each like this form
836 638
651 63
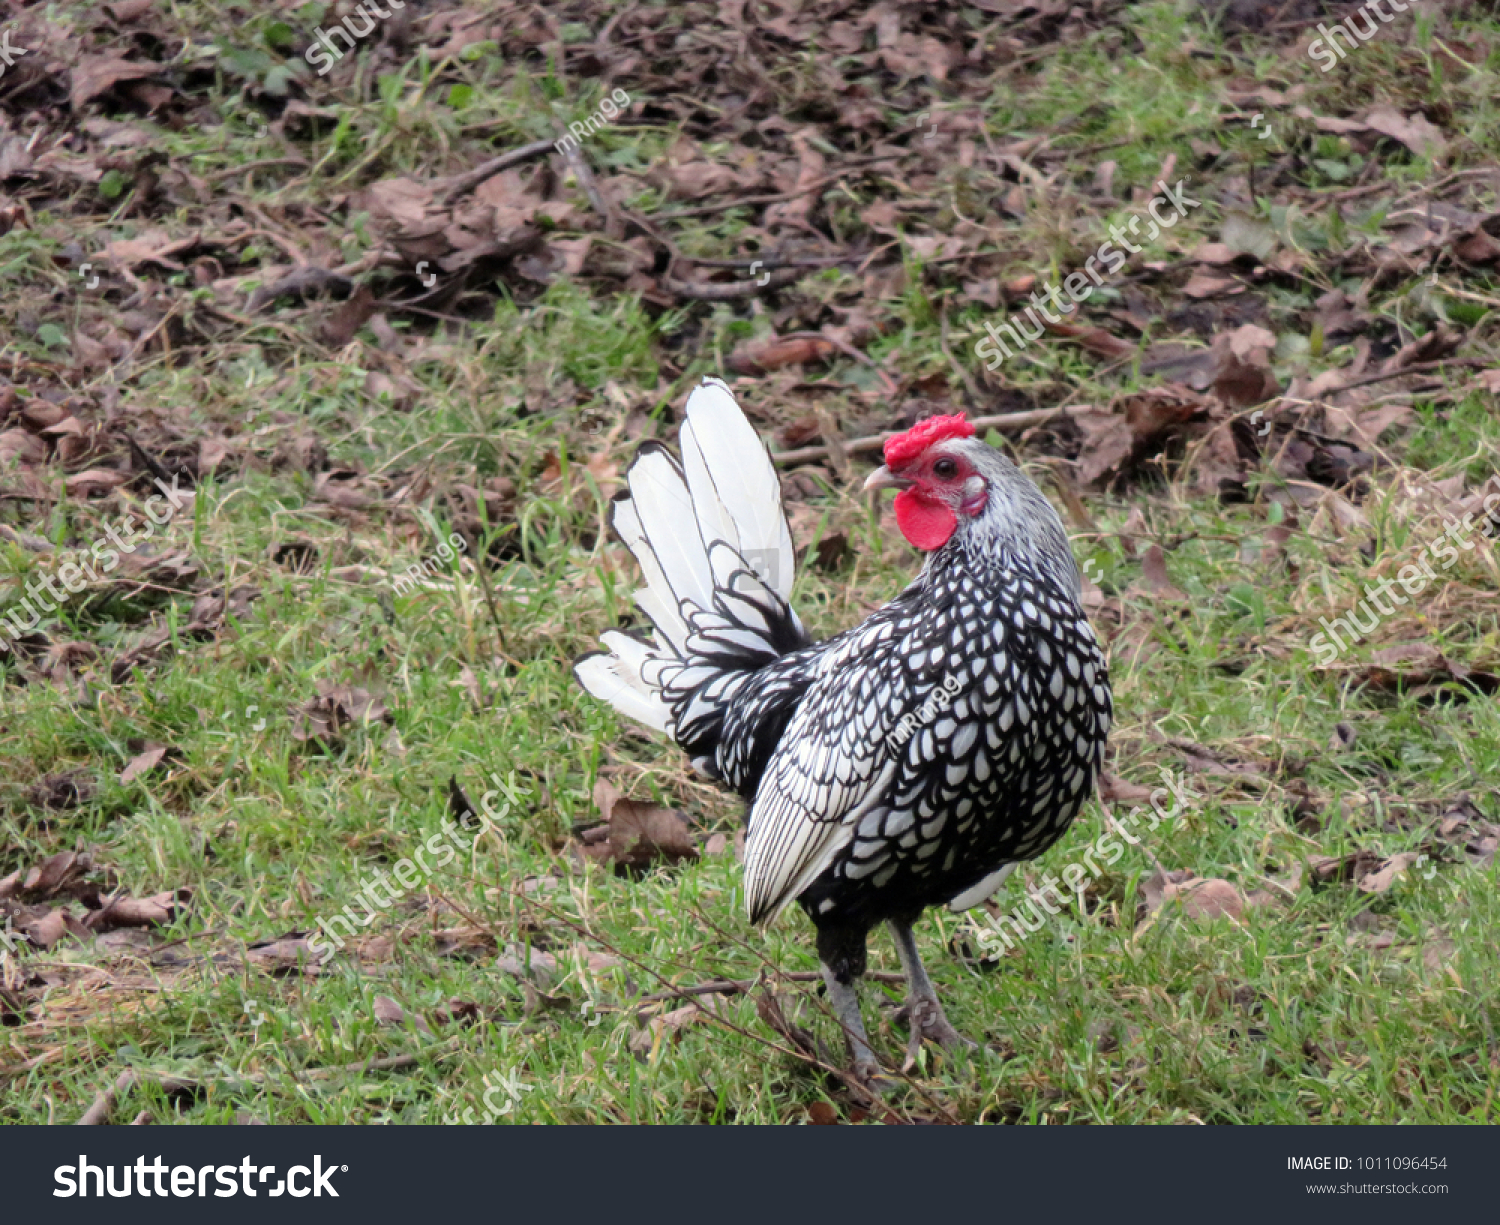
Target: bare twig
1469 363
230 171
613 227
776 198
602 42
772 261
771 969
848 1079
298 284
1000 421
470 179
99 1112
741 986
385 1064
728 291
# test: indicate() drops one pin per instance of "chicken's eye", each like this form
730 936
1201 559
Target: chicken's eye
945 469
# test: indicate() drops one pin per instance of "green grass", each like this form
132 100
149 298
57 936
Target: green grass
1326 1004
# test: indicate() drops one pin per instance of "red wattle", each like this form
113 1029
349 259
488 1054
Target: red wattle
927 524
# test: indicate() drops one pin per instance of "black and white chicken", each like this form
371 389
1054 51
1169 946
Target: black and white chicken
908 762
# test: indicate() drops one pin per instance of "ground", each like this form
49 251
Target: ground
356 343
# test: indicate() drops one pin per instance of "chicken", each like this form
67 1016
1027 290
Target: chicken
908 762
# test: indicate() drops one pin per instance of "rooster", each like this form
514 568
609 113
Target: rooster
911 761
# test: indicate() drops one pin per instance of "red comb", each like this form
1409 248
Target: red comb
903 448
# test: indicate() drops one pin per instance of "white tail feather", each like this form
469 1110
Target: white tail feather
725 491
728 467
610 680
654 599
668 523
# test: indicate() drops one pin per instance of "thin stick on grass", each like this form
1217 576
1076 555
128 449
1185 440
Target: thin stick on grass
742 986
471 179
999 421
228 172
768 966
104 1104
847 1079
584 174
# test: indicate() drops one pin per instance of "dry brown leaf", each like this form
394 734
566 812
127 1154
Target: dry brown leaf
284 953
1116 790
1415 131
126 11
345 319
1215 253
1341 869
156 911
760 356
669 1025
94 480
1437 344
537 964
46 930
95 74
58 874
1207 899
341 488
809 176
1438 952
1133 430
401 201
388 1012
1096 340
143 762
1154 571
153 246
1385 876
695 180
1207 285
1475 246
1418 666
1242 376
335 708
1200 898
636 834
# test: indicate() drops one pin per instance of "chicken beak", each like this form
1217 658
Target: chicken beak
884 478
